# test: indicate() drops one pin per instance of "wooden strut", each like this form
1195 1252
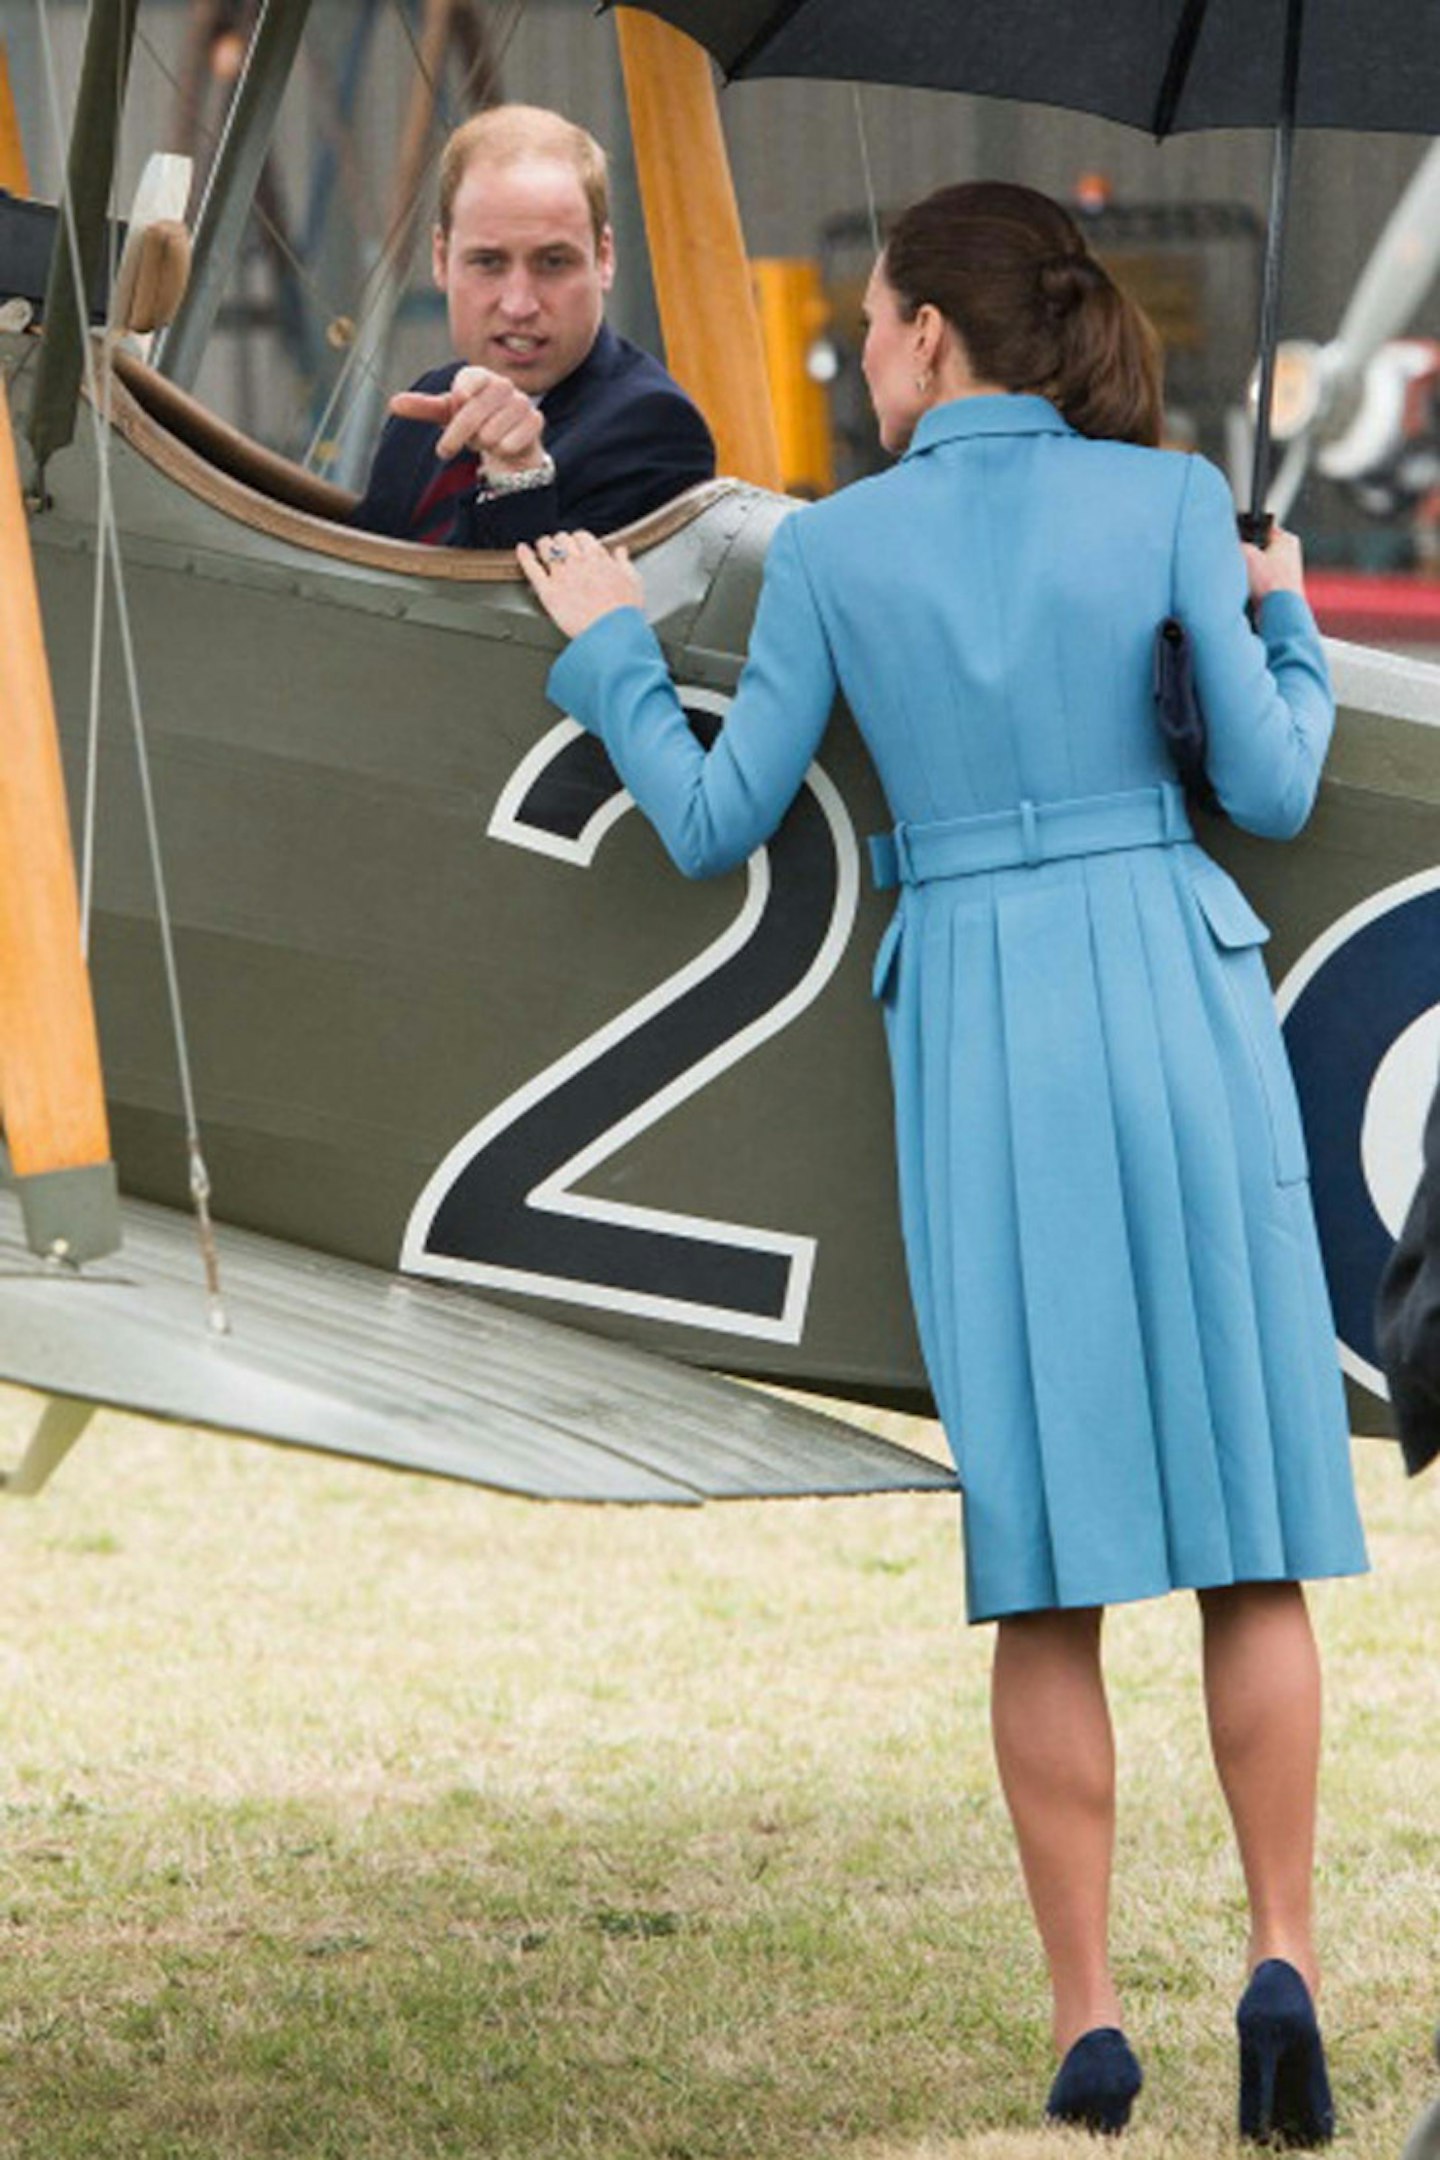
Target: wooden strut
59 1422
713 341
50 1080
13 173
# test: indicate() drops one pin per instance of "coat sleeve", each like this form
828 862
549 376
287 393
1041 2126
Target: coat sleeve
711 808
1268 705
403 464
385 505
508 519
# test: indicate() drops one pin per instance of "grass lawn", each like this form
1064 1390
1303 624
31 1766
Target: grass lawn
345 1814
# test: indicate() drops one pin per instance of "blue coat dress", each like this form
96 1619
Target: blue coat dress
1102 1172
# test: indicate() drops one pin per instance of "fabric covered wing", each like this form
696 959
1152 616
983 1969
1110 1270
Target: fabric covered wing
325 1354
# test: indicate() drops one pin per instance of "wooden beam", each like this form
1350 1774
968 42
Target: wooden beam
713 342
49 1057
13 172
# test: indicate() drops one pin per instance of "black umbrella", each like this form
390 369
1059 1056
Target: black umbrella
1163 65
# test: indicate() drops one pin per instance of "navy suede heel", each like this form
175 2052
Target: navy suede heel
1284 2086
1096 2084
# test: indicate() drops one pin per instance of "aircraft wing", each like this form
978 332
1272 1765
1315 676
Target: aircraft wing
331 1355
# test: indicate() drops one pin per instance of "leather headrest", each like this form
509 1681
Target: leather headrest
150 284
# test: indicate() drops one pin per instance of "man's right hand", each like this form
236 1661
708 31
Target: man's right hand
483 412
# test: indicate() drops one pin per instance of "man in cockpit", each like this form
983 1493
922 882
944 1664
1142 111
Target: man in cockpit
546 419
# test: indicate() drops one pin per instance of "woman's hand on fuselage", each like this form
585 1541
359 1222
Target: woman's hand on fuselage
1277 568
577 579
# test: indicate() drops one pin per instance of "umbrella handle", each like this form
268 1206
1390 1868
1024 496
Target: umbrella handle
1274 248
1255 528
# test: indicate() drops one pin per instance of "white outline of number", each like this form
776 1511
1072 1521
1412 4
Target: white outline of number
553 1194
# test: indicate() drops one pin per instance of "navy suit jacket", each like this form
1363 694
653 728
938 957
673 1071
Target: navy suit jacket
624 436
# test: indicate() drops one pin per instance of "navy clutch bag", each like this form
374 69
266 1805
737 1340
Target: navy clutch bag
1177 707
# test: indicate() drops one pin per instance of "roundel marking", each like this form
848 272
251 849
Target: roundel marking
1361 1014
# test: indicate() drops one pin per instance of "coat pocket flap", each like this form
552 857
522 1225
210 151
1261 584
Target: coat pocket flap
886 958
1233 922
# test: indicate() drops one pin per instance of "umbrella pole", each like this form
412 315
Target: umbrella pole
1255 523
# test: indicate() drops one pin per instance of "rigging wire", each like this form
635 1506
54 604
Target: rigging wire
373 283
108 545
471 74
301 269
92 736
97 616
109 556
867 168
401 235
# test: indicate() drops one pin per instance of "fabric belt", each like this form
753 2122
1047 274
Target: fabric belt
1031 833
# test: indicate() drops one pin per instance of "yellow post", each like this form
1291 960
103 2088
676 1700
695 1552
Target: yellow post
13 173
50 1080
707 307
793 315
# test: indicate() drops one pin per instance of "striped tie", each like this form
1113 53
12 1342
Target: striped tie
438 510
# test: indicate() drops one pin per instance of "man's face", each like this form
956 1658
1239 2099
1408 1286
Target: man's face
523 278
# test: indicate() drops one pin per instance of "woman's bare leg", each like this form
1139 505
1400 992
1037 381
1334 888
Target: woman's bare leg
1056 1753
1262 1693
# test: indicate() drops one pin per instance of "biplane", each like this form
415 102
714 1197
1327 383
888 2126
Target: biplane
513 1143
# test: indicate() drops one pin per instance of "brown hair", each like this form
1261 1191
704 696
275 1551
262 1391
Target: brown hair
1010 271
505 135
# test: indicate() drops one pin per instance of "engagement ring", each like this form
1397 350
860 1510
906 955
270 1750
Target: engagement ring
556 551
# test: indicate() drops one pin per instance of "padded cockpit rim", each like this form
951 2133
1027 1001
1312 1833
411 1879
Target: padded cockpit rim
202 453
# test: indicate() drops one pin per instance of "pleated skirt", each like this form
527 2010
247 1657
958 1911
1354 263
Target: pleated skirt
1108 1228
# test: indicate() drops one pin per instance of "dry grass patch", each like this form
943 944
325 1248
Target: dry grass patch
348 1814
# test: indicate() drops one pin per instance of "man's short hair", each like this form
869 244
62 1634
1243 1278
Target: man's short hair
505 135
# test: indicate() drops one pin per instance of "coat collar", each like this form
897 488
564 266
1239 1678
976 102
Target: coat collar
1003 413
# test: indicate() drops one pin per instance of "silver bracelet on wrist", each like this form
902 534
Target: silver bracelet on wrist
516 483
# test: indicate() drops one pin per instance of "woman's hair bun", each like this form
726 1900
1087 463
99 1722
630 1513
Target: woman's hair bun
1011 273
1066 279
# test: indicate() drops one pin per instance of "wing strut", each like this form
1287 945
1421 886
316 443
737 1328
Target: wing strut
50 1084
14 174
220 226
89 175
713 343
61 1422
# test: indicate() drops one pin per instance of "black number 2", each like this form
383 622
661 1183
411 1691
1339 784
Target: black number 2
502 1208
